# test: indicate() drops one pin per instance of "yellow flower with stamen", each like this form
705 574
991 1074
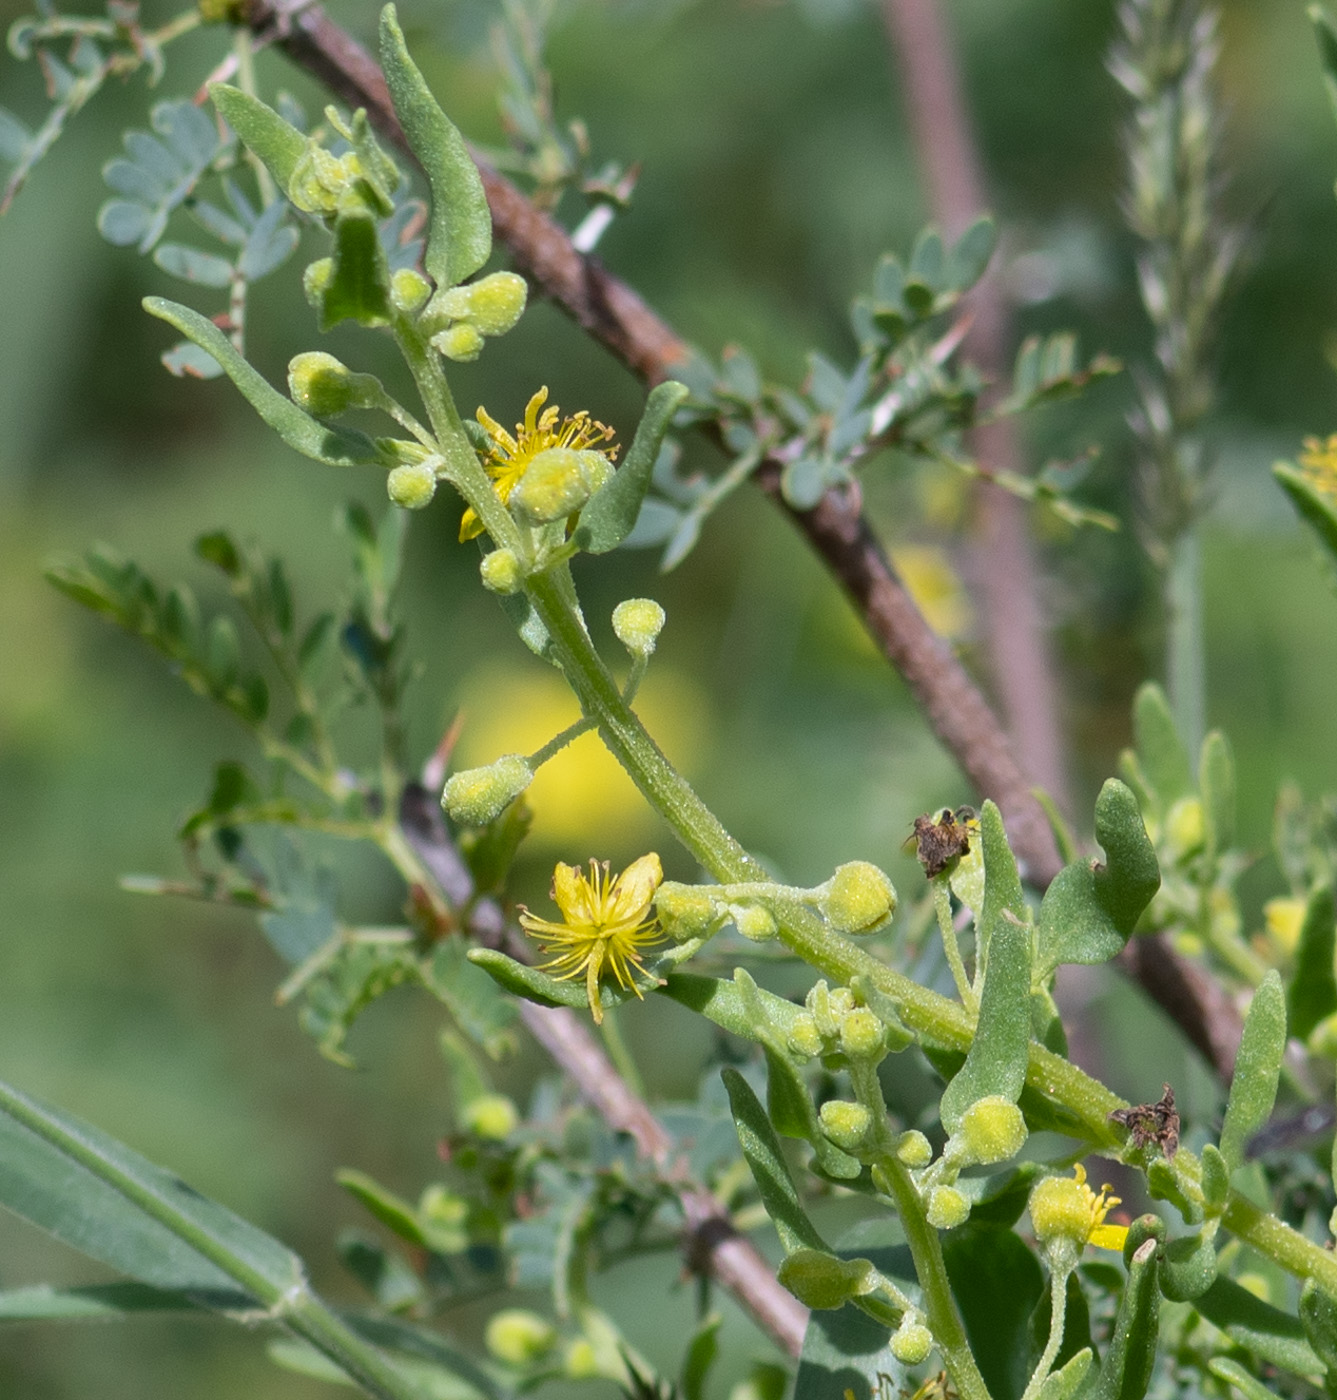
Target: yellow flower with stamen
509 457
605 924
1066 1212
1319 463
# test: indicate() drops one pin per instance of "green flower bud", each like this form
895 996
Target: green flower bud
409 290
840 1000
911 1342
947 1208
557 483
412 486
518 1337
1323 1038
914 1149
818 1002
858 898
500 571
326 387
820 1280
476 795
754 922
991 1130
443 1218
319 179
317 280
461 342
861 1034
637 624
846 1124
805 1038
686 911
495 302
1185 828
581 1362
490 1116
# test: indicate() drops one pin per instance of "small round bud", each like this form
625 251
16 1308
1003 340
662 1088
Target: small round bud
911 1342
409 290
1323 1038
490 1116
861 1034
821 1280
846 1124
500 571
1185 827
914 1149
443 1218
317 279
686 911
1061 1210
326 387
947 1208
412 486
991 1130
1284 919
637 624
476 795
754 922
557 483
581 1361
518 1337
319 179
858 898
460 342
496 302
840 1000
805 1038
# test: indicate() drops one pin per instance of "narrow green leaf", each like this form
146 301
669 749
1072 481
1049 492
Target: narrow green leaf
996 1063
1003 899
1275 1336
1215 1179
765 1157
1253 1090
1131 1357
459 236
102 1302
1164 758
1248 1386
1066 1381
971 253
997 1282
261 130
1188 1269
1312 994
701 1353
359 288
728 1006
1216 782
340 447
611 513
392 1211
1318 1317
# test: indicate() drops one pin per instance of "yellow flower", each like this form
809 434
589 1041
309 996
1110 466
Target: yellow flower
1284 918
1319 462
605 923
1069 1212
509 457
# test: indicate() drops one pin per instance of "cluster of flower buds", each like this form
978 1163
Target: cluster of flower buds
835 1022
458 320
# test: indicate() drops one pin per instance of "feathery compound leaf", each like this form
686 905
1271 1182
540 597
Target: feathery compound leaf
1253 1090
340 447
459 237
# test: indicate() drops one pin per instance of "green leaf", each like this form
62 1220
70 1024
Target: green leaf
383 1272
971 253
754 1014
1066 1381
1003 899
1312 994
1216 782
1160 750
459 235
1215 1179
1318 1316
1089 912
359 288
1188 1268
528 982
1268 1332
340 447
1326 35
1236 1375
997 1282
765 1157
996 1062
611 513
107 1201
392 1211
1131 1356
261 130
102 1302
1253 1090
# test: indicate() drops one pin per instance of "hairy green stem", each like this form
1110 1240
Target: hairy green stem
942 907
1058 1307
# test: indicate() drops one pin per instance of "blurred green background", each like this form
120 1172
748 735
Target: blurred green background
776 170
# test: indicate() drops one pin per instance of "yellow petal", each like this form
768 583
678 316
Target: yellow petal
635 888
1109 1237
470 525
571 893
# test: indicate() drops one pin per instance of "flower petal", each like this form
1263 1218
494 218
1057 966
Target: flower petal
634 889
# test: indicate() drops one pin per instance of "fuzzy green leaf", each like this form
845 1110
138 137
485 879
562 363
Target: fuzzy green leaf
1318 1316
459 236
529 982
359 289
102 1302
1216 782
1248 1386
1275 1336
1160 750
1131 1357
1188 1269
1312 994
1003 899
261 130
340 447
997 1282
1253 1090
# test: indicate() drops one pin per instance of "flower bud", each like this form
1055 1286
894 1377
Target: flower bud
1061 1211
320 179
326 387
409 290
500 571
1284 919
805 1038
557 483
947 1208
840 1000
496 302
686 911
914 1149
412 486
476 795
820 1280
581 1362
858 898
991 1130
911 1342
754 922
443 1218
1185 828
317 280
846 1124
460 342
637 624
518 1337
861 1034
490 1116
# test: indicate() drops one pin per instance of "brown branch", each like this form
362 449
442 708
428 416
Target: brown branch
619 319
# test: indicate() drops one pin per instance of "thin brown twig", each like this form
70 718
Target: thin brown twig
618 318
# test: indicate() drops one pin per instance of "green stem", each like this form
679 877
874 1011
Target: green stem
942 906
1185 663
241 46
1058 1306
620 1053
